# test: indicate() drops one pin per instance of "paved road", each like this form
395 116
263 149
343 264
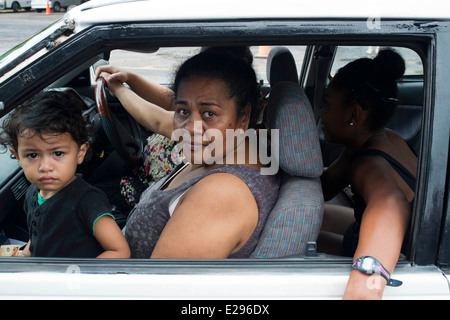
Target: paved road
18 27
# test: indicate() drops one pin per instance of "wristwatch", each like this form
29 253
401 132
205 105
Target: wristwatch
369 265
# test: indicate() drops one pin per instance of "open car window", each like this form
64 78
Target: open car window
8 166
154 44
346 54
160 66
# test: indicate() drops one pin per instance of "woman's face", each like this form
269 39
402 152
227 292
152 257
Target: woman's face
335 116
203 114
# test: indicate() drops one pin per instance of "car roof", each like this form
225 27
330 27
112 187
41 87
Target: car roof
328 13
104 11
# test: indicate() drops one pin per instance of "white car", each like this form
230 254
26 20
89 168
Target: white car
321 36
55 5
15 5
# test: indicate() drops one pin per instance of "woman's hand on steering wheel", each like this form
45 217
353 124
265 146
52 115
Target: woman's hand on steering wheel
127 145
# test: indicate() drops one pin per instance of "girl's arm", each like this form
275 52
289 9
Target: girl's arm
110 237
334 179
383 227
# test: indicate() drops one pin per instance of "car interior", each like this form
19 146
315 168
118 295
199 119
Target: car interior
294 224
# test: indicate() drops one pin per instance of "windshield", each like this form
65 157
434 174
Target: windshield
29 50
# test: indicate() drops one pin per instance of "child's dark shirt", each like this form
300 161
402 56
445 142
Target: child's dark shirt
63 226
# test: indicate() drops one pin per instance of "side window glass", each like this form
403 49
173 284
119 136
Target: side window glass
346 54
8 165
260 54
160 66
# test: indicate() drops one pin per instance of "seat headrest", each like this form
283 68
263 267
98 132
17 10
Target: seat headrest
281 66
289 111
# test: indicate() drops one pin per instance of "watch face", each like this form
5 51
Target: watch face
368 264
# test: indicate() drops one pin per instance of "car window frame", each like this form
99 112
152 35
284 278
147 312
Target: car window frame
434 158
56 62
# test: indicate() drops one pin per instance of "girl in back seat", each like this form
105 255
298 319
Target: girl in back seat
377 163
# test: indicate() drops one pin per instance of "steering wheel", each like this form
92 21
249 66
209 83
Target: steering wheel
125 144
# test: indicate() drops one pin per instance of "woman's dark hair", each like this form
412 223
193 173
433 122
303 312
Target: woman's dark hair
238 76
50 112
373 84
240 52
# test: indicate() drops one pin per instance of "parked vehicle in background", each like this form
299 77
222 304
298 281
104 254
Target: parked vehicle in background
55 5
15 5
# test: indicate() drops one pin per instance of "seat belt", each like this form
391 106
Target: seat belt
321 57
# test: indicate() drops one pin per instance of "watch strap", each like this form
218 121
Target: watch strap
394 283
379 269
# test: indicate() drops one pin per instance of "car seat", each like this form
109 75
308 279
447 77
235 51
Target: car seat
281 66
297 215
407 121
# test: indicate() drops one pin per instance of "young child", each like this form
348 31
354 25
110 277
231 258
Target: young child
66 216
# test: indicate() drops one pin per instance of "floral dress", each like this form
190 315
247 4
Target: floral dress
161 156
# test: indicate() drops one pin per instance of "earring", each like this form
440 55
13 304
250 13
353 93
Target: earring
351 124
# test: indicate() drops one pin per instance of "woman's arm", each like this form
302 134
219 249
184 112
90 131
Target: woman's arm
206 224
383 227
152 92
146 113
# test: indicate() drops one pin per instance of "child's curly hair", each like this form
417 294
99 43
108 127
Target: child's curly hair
49 112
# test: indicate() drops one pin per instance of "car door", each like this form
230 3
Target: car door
318 275
13 185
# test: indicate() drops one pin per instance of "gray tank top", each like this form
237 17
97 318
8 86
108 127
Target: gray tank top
149 217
